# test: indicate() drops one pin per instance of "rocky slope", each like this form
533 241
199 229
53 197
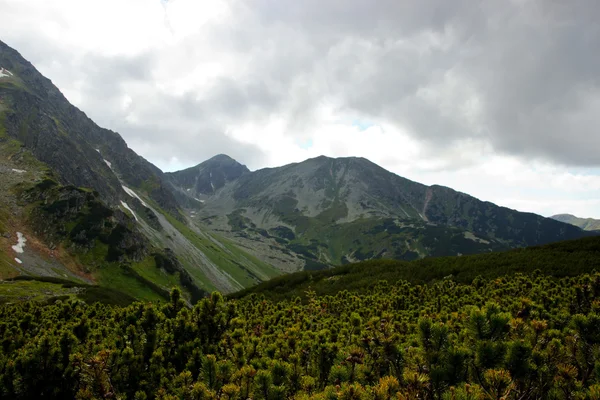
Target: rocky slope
588 224
331 211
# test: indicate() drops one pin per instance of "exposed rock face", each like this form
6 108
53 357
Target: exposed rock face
105 204
310 215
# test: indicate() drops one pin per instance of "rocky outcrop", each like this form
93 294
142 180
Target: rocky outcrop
208 177
79 219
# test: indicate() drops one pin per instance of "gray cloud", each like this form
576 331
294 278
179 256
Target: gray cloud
521 75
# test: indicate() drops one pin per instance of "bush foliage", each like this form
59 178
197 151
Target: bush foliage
522 336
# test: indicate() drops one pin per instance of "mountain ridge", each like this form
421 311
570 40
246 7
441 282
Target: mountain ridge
588 224
315 202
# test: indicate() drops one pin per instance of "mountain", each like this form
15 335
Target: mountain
192 185
588 224
326 211
61 136
208 177
77 203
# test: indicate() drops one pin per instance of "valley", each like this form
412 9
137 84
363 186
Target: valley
93 211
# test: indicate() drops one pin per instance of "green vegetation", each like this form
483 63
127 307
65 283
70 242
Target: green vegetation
103 241
123 278
568 258
46 290
244 268
18 291
522 336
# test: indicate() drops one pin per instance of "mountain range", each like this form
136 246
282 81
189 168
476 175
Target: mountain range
77 203
327 211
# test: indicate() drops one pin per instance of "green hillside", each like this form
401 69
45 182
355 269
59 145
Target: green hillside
568 258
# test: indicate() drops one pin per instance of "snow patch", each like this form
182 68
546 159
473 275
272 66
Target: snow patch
133 194
211 184
108 163
129 209
19 171
98 150
188 189
19 261
18 248
201 201
5 72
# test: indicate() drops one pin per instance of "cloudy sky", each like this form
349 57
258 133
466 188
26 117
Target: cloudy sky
499 99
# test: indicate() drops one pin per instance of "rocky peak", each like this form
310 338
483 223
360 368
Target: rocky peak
209 176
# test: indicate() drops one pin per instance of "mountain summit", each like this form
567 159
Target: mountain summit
208 177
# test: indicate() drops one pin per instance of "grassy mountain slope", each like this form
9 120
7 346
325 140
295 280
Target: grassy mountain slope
568 258
588 224
71 233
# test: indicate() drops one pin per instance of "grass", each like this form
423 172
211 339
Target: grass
17 291
148 270
93 259
31 288
113 276
268 270
218 256
6 268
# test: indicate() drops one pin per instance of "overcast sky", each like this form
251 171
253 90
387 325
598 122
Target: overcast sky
499 99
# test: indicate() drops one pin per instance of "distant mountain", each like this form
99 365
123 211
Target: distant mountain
207 177
588 224
89 208
327 211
